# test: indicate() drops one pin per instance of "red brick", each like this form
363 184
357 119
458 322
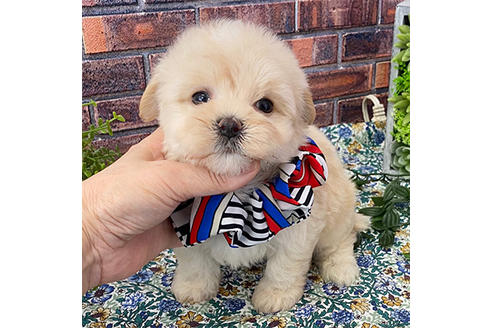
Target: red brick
91 3
365 45
128 107
324 114
112 75
382 74
388 9
303 49
278 16
350 110
86 118
154 59
325 49
123 142
339 82
134 31
315 14
316 50
94 35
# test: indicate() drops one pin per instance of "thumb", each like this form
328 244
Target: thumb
199 181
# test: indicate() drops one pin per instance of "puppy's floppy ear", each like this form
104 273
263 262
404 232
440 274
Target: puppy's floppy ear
148 109
308 111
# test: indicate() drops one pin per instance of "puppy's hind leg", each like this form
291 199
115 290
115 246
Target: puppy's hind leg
197 275
335 257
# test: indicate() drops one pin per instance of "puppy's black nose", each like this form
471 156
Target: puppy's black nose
229 127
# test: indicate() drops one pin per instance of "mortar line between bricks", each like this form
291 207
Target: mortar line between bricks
336 99
335 66
296 16
373 79
146 63
335 111
340 47
131 9
332 31
113 96
380 11
128 132
142 7
197 16
123 53
92 115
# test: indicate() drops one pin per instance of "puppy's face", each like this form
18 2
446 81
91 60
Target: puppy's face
228 93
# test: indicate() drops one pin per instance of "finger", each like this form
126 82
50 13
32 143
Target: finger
198 181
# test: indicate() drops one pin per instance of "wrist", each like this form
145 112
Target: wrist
91 262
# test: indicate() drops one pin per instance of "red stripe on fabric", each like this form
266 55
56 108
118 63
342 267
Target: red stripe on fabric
304 181
272 225
198 219
309 177
311 148
282 197
297 174
228 239
315 165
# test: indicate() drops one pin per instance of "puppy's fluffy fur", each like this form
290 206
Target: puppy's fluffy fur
237 64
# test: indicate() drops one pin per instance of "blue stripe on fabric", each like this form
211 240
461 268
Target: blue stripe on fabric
281 187
272 210
208 217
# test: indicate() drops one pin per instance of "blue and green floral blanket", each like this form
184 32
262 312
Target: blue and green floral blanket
380 299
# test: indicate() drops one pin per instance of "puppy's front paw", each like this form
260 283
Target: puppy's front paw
194 291
267 299
342 273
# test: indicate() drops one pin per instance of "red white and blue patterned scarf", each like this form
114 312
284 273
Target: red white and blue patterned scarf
270 208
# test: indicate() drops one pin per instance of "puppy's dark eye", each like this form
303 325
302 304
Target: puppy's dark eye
200 97
265 105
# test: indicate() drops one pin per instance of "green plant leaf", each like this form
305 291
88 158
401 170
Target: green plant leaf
405 29
372 211
402 192
377 223
388 192
398 57
404 37
406 55
378 201
401 104
391 218
387 238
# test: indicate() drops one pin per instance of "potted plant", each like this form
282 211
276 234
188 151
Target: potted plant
397 147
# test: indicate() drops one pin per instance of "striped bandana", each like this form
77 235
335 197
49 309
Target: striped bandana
270 208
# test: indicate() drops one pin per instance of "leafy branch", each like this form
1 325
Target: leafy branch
385 217
96 159
361 179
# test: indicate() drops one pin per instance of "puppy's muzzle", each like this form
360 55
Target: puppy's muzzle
229 127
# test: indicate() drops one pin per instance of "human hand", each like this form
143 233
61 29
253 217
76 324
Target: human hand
125 208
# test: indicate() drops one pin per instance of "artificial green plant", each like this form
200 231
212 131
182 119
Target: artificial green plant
401 103
95 159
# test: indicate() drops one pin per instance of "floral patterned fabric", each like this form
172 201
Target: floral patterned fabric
380 299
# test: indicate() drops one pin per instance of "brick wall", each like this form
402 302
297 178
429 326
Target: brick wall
344 46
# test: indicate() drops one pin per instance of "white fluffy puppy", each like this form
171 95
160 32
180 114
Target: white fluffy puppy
244 74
